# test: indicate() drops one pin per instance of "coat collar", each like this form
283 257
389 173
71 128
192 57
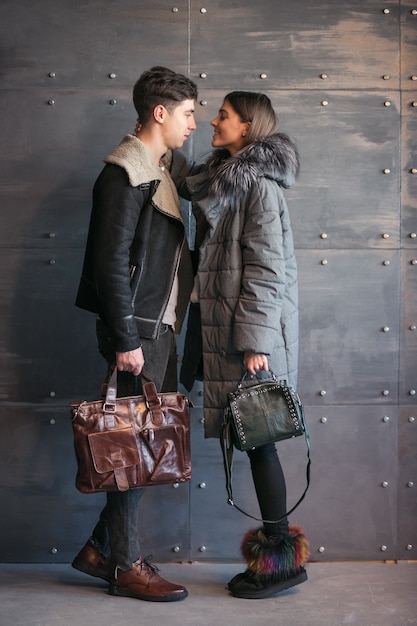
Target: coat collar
136 159
274 157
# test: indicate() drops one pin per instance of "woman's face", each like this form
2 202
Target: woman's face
229 130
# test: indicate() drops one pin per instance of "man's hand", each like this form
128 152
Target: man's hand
132 361
254 361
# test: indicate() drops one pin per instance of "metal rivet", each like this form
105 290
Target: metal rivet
176 549
385 236
321 549
413 11
409 546
413 235
323 420
413 327
387 103
202 548
175 9
112 102
52 394
323 76
410 484
413 77
263 76
175 485
52 421
202 485
385 484
385 392
383 548
413 170
203 75
54 550
51 261
324 262
323 392
324 103
412 392
51 102
51 235
203 103
387 171
411 419
203 10
385 262
112 75
413 261
51 74
202 420
386 11
386 77
414 104
386 329
385 418
323 235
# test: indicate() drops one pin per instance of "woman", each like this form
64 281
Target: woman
246 290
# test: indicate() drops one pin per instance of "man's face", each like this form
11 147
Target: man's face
179 124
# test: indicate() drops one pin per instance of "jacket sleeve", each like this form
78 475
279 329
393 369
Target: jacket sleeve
258 311
116 210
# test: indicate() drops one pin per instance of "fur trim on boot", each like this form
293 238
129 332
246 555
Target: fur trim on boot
274 563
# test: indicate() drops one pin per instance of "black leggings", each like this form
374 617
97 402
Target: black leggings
270 488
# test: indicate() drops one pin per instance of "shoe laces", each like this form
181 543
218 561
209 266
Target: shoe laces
146 563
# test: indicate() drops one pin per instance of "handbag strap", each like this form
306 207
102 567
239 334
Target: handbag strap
227 453
152 400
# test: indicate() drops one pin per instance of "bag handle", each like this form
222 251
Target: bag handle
150 393
227 453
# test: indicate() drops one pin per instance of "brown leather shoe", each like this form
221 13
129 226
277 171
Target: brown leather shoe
91 561
143 582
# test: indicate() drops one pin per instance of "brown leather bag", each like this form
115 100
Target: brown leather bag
137 441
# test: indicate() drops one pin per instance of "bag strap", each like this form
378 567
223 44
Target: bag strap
150 393
227 453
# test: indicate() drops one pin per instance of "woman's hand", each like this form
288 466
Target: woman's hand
255 361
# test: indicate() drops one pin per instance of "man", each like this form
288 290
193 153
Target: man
137 278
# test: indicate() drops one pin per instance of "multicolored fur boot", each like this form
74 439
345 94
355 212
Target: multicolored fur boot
274 563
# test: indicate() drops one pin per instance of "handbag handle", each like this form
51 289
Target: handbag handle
150 393
227 453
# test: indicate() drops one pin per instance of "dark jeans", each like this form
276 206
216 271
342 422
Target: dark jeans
117 531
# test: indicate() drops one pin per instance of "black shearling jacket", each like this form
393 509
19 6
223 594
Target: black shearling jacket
136 243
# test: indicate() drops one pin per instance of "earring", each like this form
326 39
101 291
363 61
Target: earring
243 134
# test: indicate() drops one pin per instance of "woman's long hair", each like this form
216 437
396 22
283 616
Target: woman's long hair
257 109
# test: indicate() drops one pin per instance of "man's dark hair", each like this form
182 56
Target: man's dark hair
160 85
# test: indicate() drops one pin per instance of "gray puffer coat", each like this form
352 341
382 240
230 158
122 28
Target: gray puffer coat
247 270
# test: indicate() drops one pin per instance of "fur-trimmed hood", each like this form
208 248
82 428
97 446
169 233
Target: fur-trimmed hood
273 157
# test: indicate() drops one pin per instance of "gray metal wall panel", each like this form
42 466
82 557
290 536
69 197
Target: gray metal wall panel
82 42
408 346
342 193
354 44
48 351
354 455
349 320
408 44
407 483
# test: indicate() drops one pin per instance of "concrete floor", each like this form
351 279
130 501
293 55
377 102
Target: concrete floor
359 594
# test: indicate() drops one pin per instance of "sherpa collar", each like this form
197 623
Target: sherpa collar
135 158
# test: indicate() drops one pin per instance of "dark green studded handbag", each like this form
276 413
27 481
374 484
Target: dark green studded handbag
261 412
